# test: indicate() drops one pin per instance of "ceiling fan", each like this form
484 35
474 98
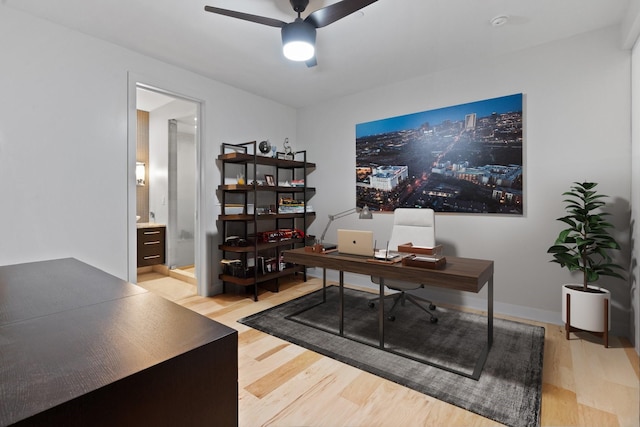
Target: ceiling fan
299 36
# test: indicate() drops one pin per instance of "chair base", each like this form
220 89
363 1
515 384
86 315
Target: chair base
401 297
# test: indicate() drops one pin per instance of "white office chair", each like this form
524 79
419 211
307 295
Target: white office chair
416 226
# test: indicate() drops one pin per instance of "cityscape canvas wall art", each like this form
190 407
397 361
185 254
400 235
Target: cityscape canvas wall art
465 158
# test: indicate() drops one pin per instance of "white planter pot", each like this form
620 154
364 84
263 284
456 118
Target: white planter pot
587 308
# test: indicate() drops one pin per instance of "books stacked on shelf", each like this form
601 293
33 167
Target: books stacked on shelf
297 183
267 265
288 205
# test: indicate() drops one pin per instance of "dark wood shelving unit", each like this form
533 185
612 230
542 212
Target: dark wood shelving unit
260 208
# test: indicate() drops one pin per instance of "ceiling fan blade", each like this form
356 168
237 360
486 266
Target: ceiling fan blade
327 15
246 16
312 62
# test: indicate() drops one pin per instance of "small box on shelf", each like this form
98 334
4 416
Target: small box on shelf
317 248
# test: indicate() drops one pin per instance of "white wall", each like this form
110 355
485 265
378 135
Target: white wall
576 108
67 157
635 195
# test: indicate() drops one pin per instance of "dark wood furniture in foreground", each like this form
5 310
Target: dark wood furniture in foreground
80 347
463 274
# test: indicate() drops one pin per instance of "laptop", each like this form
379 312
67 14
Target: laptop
355 242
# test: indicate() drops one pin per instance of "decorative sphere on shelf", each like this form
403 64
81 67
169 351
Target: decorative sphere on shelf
264 147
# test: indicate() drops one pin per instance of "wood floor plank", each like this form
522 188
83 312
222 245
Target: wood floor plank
610 360
558 363
282 374
589 416
249 336
251 369
409 407
559 406
304 401
312 407
361 388
392 404
272 351
634 360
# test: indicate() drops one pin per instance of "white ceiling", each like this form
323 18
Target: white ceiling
390 41
149 100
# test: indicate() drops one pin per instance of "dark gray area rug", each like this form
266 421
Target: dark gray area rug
508 390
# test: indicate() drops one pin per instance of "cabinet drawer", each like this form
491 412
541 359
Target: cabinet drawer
150 234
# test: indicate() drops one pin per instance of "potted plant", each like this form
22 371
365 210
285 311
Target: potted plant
585 246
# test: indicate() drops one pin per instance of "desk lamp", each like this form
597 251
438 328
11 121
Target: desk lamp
365 213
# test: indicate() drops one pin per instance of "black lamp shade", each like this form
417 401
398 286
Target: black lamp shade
298 40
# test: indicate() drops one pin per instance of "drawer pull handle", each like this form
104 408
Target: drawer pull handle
152 256
155 242
151 232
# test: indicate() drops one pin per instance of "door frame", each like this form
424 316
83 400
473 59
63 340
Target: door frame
135 82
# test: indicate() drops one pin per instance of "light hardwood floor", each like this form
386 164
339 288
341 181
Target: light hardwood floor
281 384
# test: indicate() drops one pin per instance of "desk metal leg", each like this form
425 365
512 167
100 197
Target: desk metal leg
490 313
485 352
341 303
381 314
324 285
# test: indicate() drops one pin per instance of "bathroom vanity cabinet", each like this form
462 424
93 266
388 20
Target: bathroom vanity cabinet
151 244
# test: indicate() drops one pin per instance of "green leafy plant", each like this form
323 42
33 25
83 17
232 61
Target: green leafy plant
585 245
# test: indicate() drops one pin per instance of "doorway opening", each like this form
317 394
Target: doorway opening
167 143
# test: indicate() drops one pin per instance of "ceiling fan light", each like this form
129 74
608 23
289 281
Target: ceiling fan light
298 40
298 51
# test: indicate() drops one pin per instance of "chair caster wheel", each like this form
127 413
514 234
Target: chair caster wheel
391 318
372 304
432 307
434 320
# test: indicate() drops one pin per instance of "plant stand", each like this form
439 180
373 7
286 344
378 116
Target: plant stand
604 334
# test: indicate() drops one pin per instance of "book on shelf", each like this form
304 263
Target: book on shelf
289 205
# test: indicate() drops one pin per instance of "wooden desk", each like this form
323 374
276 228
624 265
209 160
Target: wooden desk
81 347
464 274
